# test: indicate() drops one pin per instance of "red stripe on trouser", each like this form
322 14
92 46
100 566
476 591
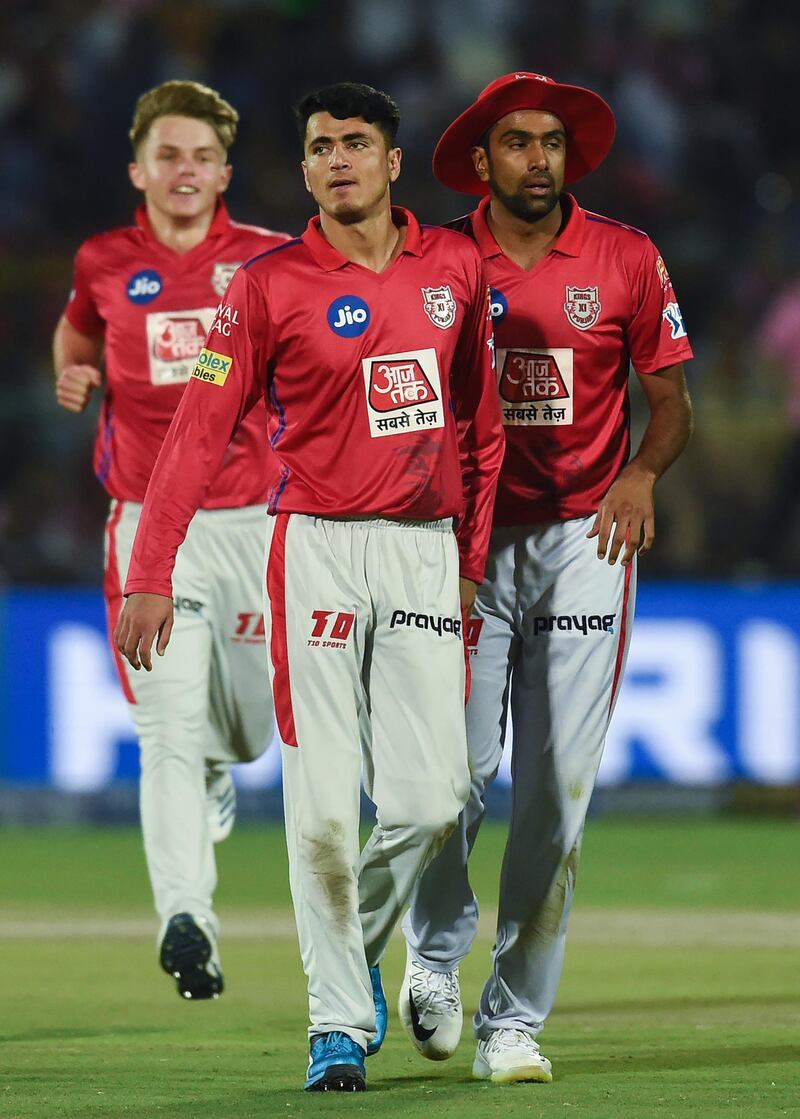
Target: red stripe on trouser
279 650
468 672
112 591
623 634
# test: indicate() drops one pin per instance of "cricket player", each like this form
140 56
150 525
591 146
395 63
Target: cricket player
144 298
370 339
576 298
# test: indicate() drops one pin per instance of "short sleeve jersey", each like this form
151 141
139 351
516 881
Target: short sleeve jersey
566 332
381 390
153 308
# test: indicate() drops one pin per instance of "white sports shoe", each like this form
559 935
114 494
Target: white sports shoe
220 803
508 1056
430 1009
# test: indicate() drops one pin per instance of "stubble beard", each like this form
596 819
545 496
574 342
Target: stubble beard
527 209
349 216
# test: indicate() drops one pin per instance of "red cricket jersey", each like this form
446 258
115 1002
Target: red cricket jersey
154 307
380 388
566 331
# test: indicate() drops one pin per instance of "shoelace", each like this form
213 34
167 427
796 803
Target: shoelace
437 990
511 1039
336 1044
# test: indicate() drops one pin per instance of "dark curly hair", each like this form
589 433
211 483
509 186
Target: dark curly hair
351 99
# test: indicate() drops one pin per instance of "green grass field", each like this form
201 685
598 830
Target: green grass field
681 993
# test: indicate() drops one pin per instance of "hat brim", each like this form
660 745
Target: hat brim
587 119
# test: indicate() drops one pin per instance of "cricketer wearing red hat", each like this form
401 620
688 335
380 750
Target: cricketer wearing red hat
576 299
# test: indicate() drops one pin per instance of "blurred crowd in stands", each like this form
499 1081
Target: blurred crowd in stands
707 161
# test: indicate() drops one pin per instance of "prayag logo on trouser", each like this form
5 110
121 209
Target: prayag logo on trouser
331 629
187 605
436 623
573 623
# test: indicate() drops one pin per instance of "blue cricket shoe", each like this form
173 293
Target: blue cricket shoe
336 1064
381 1011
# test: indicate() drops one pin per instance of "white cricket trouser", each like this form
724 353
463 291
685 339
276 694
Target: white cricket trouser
207 702
367 654
552 623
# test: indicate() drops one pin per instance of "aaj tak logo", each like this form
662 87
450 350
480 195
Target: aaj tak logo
178 339
582 307
399 383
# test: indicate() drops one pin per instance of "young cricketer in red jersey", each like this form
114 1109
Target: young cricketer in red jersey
143 300
371 339
575 299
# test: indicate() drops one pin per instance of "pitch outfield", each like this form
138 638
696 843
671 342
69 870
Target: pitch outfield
681 994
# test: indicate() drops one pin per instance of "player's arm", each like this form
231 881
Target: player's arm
626 516
225 384
658 346
78 342
481 441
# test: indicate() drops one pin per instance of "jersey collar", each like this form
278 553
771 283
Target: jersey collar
569 240
220 223
329 258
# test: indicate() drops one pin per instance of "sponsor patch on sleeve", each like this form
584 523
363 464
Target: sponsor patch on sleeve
212 367
663 275
674 319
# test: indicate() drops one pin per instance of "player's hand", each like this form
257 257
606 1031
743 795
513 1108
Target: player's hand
626 516
467 591
144 618
75 385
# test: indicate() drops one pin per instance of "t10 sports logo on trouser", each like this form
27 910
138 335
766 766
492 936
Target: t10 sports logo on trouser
331 629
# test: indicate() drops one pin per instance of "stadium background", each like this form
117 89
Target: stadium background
703 161
680 990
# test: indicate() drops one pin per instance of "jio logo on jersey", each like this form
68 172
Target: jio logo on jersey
498 306
144 286
348 316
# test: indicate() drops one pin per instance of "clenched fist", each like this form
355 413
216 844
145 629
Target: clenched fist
75 385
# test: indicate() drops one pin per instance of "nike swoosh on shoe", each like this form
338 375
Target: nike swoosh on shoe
420 1032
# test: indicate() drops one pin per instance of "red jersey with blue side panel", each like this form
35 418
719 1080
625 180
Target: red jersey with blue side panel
380 386
566 332
154 307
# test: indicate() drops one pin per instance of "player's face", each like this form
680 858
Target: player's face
181 167
347 167
524 163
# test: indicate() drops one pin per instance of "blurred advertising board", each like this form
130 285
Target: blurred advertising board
711 692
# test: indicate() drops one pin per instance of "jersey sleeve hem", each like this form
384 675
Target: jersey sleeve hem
147 586
664 361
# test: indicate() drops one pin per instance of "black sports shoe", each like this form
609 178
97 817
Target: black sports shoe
188 953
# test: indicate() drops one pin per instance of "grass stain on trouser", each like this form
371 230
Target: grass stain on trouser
547 923
331 867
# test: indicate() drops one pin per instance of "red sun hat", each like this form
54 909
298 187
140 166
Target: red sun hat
587 119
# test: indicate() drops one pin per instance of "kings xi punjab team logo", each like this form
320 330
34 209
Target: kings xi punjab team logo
582 307
222 276
440 307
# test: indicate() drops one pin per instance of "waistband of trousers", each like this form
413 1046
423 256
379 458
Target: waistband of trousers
227 513
440 524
